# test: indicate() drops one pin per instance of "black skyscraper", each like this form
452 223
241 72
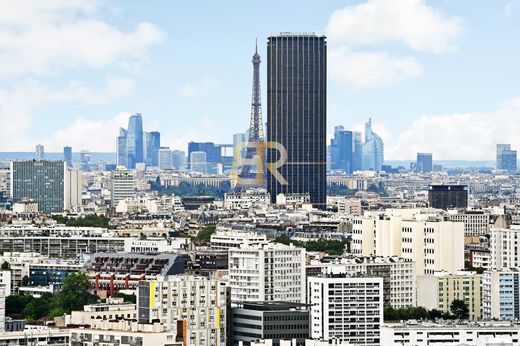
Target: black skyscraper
448 196
296 113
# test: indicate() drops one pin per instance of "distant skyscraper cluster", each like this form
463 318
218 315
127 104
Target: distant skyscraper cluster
506 158
349 153
136 146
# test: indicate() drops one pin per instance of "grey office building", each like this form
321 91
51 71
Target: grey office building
270 320
506 158
424 163
41 181
297 115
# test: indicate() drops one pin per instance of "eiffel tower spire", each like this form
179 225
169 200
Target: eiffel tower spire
256 131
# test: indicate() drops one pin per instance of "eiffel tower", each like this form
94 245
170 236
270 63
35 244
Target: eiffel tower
256 132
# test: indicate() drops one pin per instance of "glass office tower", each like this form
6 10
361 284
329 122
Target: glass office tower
296 113
135 140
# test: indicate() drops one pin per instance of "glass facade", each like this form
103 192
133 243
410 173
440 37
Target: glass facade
297 115
424 163
41 181
135 140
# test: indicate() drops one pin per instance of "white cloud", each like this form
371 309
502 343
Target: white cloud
510 7
17 105
43 37
469 136
370 69
374 23
410 22
79 134
198 88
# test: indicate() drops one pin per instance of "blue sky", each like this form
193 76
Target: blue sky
439 76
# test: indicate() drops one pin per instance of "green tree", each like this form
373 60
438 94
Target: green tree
205 233
6 266
74 293
15 303
25 280
38 308
459 309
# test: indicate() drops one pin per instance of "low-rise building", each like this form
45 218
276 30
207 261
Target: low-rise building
112 272
270 320
113 309
125 333
413 333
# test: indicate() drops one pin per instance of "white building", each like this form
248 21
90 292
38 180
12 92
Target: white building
122 185
125 333
197 304
419 235
27 206
399 276
73 182
113 309
267 272
450 333
348 309
233 236
245 200
501 294
504 247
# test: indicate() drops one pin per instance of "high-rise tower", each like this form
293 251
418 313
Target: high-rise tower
297 114
135 140
256 132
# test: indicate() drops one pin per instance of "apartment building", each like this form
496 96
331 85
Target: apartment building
346 309
438 291
267 272
196 305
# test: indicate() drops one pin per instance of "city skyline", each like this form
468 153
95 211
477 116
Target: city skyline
427 74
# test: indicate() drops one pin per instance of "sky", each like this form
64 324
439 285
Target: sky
438 76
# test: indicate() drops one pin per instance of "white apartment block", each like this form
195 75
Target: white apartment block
267 272
346 309
245 200
419 235
450 333
399 276
438 291
476 222
501 294
73 188
123 185
5 281
195 304
505 247
229 236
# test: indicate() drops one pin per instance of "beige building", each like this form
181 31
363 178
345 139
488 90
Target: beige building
438 291
114 309
419 235
195 304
